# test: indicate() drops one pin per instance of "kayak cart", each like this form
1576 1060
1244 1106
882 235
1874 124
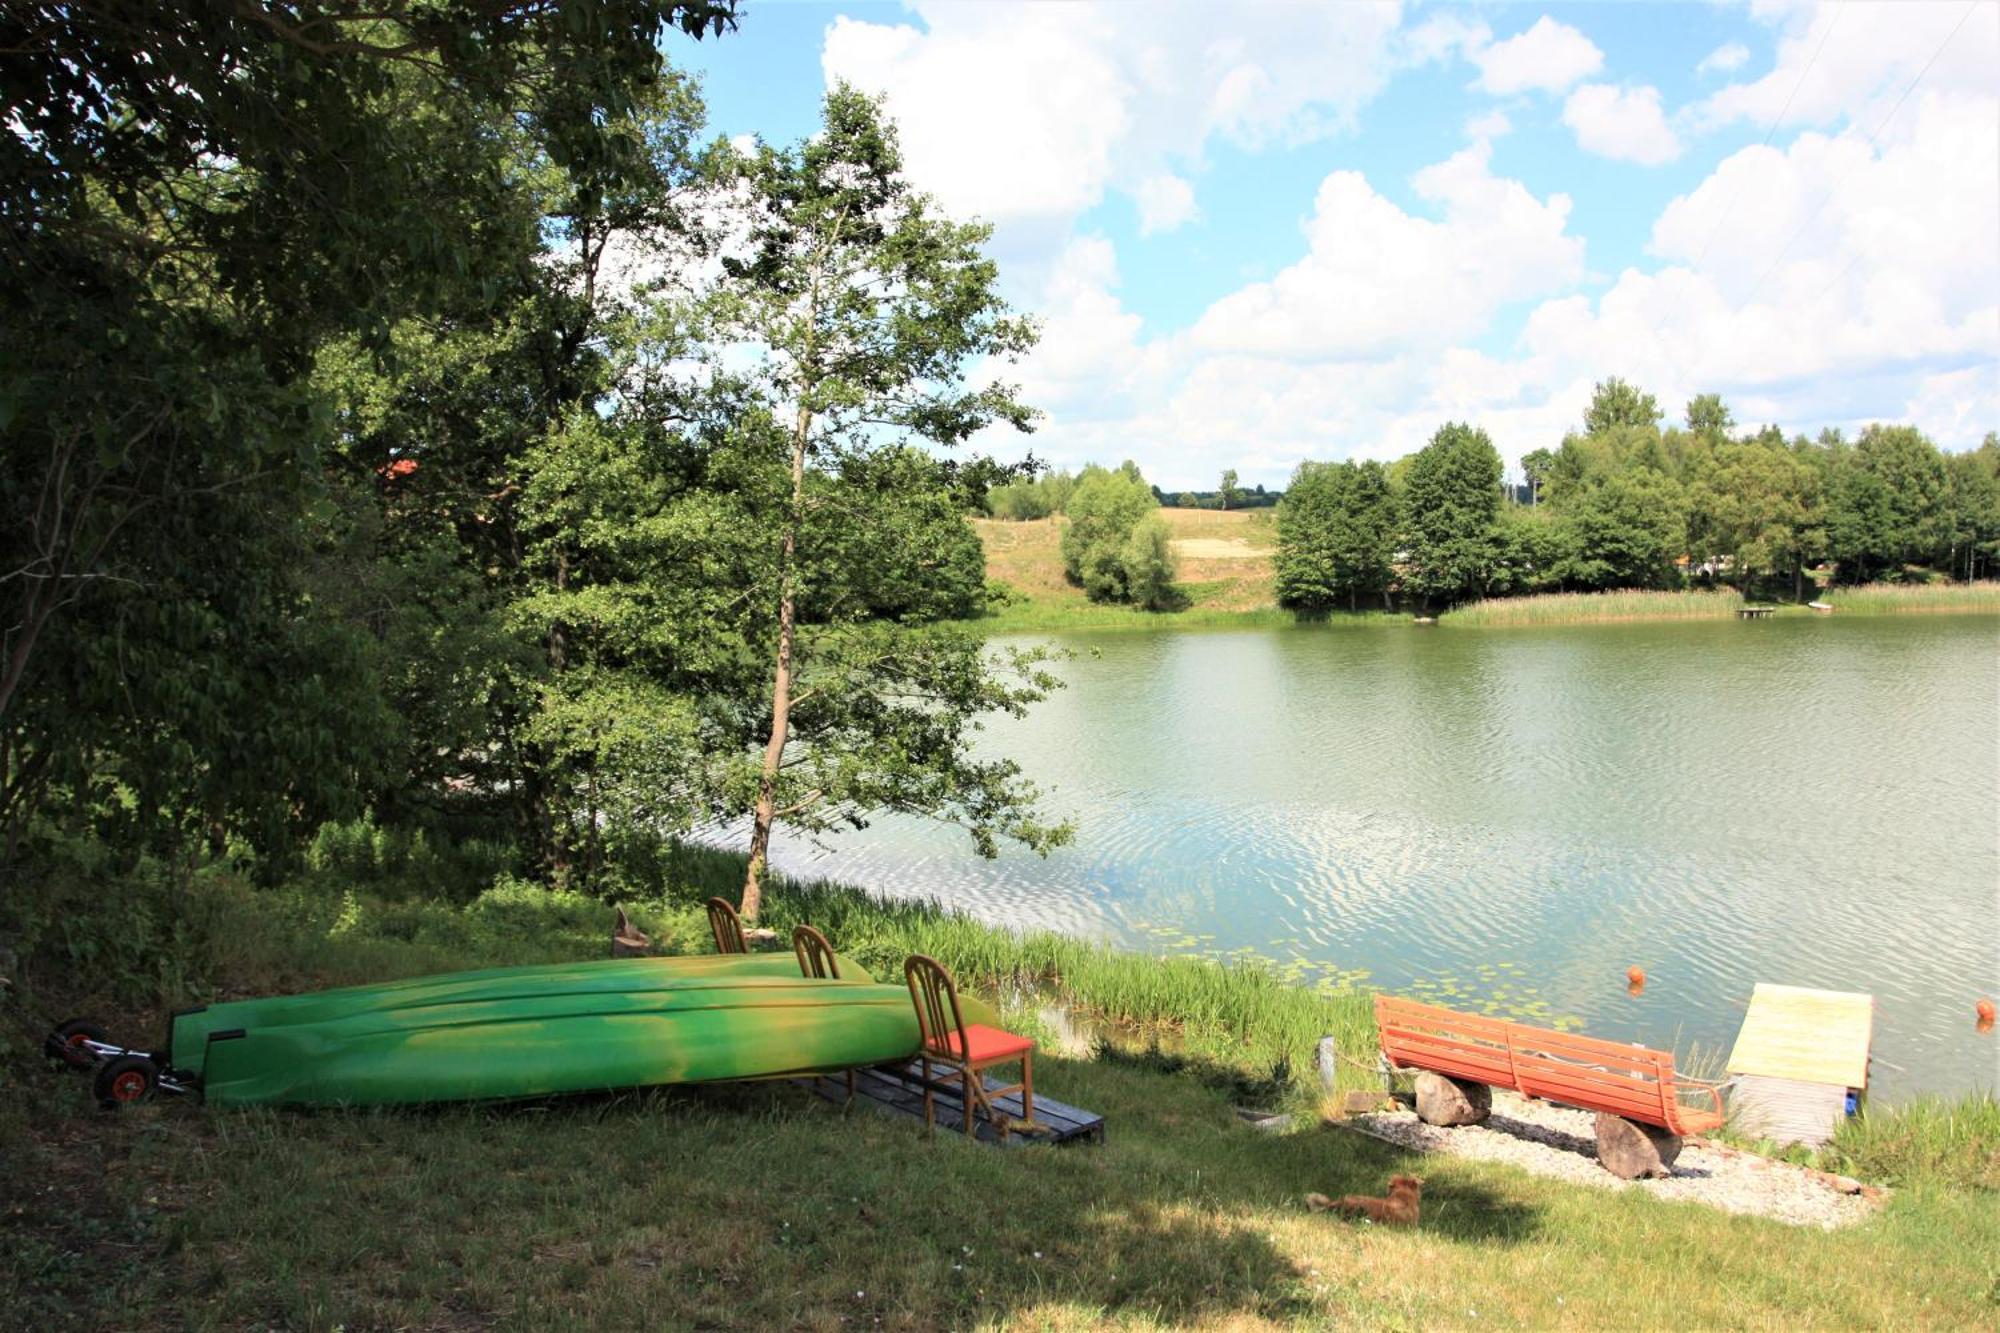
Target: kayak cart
121 1075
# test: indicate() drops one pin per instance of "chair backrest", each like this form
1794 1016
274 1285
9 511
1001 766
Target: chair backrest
815 954
936 999
727 927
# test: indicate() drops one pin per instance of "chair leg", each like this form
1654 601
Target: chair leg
965 1082
930 1112
1028 1088
850 1085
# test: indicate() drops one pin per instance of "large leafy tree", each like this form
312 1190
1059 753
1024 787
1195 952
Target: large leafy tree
1336 535
861 310
1451 499
1887 505
193 201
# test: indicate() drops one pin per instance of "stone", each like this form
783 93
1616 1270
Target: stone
1629 1150
1450 1101
1362 1103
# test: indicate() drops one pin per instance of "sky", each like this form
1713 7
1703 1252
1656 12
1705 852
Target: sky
1257 233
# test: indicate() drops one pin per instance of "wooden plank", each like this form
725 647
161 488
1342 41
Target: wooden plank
1788 1110
1807 1036
899 1091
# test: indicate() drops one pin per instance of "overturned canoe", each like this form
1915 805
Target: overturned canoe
535 1031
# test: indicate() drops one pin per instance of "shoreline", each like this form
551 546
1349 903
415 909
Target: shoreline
1622 607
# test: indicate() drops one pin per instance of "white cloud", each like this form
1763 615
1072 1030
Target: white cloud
1165 202
1489 125
1548 57
1029 114
1729 56
1375 278
1622 123
1850 61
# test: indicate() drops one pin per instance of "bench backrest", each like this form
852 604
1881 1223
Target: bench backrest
1636 1082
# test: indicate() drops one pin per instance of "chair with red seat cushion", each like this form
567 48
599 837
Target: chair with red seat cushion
968 1048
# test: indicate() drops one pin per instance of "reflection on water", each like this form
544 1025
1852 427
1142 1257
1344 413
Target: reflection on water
1517 817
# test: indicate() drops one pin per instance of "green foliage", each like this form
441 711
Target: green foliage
1227 492
1451 503
1114 547
1622 530
1617 405
1931 1140
1043 497
1888 504
1336 536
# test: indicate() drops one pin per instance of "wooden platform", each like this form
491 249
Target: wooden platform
899 1090
1810 1036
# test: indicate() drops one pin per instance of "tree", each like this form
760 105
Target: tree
1887 506
1709 416
1227 492
867 308
1451 501
1616 403
187 222
1760 503
1099 550
1536 465
1336 535
1623 530
1973 508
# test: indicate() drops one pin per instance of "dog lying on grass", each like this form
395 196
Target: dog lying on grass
1398 1210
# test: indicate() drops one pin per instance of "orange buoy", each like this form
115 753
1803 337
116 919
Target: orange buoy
1636 975
1985 1011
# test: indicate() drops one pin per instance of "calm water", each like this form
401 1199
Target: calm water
1516 816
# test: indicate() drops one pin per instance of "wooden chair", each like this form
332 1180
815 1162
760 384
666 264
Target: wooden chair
815 954
949 1041
727 927
817 960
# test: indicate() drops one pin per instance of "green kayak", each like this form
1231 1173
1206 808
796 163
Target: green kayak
534 1031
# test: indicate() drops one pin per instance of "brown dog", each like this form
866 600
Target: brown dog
1398 1210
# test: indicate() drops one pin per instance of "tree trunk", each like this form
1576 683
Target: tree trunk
781 686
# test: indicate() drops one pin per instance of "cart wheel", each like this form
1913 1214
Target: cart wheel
65 1045
125 1080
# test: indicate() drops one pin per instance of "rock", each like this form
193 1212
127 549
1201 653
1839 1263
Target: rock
1450 1101
1629 1150
1361 1103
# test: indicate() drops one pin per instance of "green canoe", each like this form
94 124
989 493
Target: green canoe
533 1031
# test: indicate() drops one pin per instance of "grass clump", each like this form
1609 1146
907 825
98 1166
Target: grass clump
1582 608
1953 1141
1916 598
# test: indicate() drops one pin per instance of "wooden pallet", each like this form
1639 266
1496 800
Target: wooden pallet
899 1090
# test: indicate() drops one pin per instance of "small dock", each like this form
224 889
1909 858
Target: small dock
899 1090
1755 612
1798 1056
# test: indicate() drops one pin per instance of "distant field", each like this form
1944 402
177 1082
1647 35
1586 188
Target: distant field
1224 560
1226 575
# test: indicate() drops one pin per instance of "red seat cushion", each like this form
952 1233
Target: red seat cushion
988 1044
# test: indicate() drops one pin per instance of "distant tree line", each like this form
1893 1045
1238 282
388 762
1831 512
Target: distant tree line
1624 503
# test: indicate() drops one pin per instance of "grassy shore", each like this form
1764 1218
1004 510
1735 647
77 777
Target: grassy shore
1226 577
759 1206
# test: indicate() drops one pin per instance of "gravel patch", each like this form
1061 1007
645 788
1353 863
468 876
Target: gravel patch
1560 1142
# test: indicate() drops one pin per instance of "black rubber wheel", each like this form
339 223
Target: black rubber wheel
65 1043
127 1080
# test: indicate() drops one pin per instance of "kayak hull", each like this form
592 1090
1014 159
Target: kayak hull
533 1032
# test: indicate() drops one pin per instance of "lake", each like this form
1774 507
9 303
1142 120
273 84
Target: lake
1511 818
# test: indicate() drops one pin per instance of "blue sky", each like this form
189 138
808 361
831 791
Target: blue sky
1259 233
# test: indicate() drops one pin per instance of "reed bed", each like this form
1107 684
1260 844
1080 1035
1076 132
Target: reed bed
1582 608
1916 598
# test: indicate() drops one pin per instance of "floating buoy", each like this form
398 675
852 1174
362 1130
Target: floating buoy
1636 975
1985 1011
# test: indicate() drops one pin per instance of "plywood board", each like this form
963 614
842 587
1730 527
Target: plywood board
1812 1036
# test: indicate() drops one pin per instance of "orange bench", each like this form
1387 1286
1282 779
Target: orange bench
1634 1082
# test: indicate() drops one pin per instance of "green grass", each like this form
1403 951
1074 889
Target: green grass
1578 608
760 1206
